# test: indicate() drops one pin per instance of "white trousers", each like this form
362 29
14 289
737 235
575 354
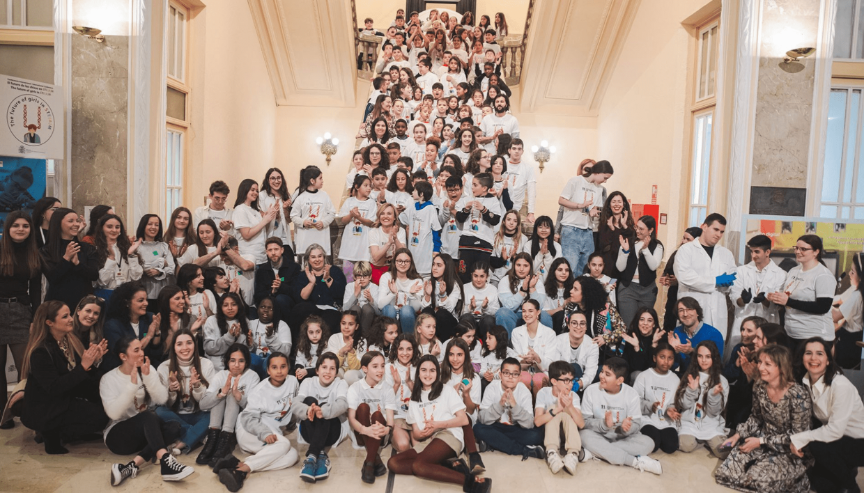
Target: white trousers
267 456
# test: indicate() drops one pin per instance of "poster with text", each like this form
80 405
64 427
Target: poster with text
33 119
842 238
22 183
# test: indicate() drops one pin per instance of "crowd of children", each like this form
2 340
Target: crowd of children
447 320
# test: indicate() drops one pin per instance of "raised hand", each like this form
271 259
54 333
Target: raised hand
309 275
392 285
692 382
718 388
416 287
227 387
626 424
173 383
625 243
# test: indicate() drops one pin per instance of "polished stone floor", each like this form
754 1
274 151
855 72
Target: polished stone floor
24 467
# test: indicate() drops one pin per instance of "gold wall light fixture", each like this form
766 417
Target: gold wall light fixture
90 32
794 55
543 153
329 145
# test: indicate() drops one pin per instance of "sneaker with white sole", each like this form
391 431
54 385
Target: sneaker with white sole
173 470
586 456
307 474
571 460
645 463
553 459
119 472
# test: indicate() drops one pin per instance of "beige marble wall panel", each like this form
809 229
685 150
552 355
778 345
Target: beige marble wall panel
99 122
784 98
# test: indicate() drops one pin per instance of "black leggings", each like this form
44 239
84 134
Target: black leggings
79 419
665 439
319 433
143 434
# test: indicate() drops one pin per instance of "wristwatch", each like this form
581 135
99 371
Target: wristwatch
552 412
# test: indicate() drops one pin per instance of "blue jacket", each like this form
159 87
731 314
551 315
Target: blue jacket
705 333
116 329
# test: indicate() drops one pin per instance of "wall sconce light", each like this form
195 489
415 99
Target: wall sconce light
90 32
543 153
329 145
794 55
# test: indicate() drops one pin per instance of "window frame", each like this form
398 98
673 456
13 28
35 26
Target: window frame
856 12
856 178
693 189
23 26
175 125
708 27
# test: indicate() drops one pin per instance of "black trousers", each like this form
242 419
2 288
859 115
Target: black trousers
665 439
319 433
445 323
80 418
836 465
143 434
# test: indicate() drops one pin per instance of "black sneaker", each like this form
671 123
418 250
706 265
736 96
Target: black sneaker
535 451
119 472
173 470
482 447
232 479
476 463
229 462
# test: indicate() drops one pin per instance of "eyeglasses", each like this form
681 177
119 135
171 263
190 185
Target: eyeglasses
566 381
362 276
403 262
579 324
799 249
509 374
685 310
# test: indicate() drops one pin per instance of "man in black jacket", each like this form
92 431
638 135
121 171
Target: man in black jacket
274 277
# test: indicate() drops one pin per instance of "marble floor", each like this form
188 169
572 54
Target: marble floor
24 467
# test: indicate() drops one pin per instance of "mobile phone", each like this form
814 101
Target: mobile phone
725 446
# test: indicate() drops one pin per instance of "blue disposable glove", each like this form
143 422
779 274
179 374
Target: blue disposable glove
725 280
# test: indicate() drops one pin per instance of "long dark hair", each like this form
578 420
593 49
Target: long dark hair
243 192
409 187
412 269
377 330
633 325
551 283
96 214
304 345
174 364
186 274
97 330
118 307
310 173
394 348
142 226
831 368
451 279
358 182
816 243
101 242
244 350
467 367
40 207
265 185
693 370
594 295
222 322
171 230
502 340
7 247
606 213
373 137
55 248
473 164
437 386
535 236
164 307
358 341
512 279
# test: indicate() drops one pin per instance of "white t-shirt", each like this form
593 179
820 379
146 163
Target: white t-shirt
246 279
279 226
817 282
475 392
420 225
443 408
279 341
379 398
355 241
247 217
317 207
378 237
311 387
337 342
349 299
851 309
489 292
196 303
547 401
403 395
475 225
521 185
696 421
451 231
579 190
653 387
507 123
425 82
512 250
273 403
492 363
625 404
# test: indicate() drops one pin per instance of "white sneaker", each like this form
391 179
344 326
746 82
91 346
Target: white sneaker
554 461
645 463
173 470
587 455
571 460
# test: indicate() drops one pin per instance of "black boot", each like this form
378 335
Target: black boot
230 462
232 479
472 485
209 448
367 474
224 446
477 465
53 443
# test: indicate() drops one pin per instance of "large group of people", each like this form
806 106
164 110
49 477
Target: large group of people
468 321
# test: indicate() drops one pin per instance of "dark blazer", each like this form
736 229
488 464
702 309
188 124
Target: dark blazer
321 294
116 329
51 386
264 276
68 282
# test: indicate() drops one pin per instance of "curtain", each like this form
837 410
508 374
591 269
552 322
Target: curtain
414 6
467 6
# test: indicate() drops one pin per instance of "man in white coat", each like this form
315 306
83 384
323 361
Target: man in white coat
754 280
706 270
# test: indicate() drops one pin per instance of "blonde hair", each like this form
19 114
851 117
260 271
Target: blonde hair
40 332
517 236
417 323
782 357
381 209
362 268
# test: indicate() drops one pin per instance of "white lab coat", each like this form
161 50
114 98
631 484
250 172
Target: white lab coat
773 278
697 277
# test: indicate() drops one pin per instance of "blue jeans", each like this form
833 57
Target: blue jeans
510 439
194 425
406 318
577 244
259 364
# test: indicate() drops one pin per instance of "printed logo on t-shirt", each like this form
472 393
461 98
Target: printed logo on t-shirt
619 414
